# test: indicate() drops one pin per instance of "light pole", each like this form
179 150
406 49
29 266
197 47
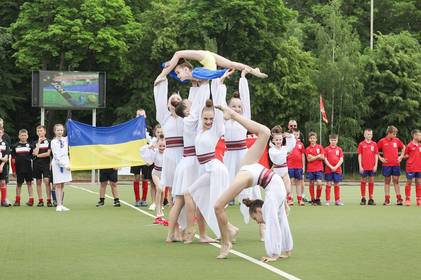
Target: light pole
371 23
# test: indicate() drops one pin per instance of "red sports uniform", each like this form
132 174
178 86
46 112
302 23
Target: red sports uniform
315 165
295 158
368 152
390 148
333 155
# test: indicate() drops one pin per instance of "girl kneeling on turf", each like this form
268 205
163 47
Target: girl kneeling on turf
272 212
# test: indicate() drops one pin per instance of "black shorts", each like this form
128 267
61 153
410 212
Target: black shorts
4 174
106 175
147 172
41 171
24 177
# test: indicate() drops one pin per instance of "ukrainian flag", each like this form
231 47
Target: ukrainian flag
106 147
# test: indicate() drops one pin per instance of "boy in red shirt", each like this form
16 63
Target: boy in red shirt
296 161
413 167
334 157
390 145
368 155
315 157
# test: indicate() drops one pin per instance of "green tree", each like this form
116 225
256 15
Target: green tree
393 83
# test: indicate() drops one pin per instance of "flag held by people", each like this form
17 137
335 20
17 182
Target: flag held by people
322 110
106 147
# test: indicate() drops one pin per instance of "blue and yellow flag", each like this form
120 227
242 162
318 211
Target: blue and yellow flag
106 147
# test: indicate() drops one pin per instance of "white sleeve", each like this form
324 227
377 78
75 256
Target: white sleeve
148 136
160 93
198 99
273 233
219 98
147 154
274 155
245 97
290 143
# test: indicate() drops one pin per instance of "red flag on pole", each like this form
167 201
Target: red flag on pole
322 110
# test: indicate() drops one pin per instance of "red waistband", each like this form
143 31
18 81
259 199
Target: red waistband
236 145
206 157
265 177
174 142
189 151
157 168
280 165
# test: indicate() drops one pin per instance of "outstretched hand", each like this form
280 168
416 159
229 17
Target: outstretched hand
227 75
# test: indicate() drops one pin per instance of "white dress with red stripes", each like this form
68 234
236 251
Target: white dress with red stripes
172 128
279 156
187 170
60 151
278 237
213 175
235 141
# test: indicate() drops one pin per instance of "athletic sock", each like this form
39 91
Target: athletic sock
362 187
337 191
418 191
53 195
40 200
408 190
327 191
18 198
311 188
387 198
398 197
31 200
3 193
49 200
299 198
319 191
136 190
145 186
370 190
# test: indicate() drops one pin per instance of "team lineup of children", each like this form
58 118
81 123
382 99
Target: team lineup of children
181 157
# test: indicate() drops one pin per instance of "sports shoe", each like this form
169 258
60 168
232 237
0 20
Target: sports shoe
306 200
363 201
339 203
327 203
318 202
17 203
59 208
40 204
399 202
100 204
290 202
64 209
137 203
143 203
5 204
117 203
164 222
29 203
157 221
152 207
387 203
55 203
49 204
371 202
407 202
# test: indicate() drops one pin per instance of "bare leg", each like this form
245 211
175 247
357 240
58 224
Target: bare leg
47 188
287 183
263 133
102 188
39 188
30 189
396 185
387 185
114 189
59 194
158 191
190 209
173 216
241 181
226 63
262 229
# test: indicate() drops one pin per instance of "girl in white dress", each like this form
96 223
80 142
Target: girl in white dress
153 154
278 239
172 127
60 164
235 141
187 169
213 175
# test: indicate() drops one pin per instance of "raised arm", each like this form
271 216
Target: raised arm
160 93
245 97
219 98
198 99
290 143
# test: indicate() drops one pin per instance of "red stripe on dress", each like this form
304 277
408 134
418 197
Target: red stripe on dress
265 177
189 151
157 168
280 165
236 145
173 142
206 157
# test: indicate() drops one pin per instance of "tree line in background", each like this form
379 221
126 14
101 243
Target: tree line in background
307 47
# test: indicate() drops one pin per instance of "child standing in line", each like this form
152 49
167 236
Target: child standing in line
368 155
315 157
334 158
413 167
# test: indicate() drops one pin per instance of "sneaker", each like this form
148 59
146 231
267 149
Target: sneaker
157 221
137 203
371 202
306 200
327 203
363 201
152 207
407 202
59 208
399 202
387 203
143 203
30 203
339 203
40 204
55 203
49 204
100 204
64 209
5 204
117 204
318 202
17 203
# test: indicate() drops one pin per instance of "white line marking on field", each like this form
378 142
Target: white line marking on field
234 252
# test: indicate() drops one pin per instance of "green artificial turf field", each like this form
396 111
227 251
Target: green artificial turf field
349 242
